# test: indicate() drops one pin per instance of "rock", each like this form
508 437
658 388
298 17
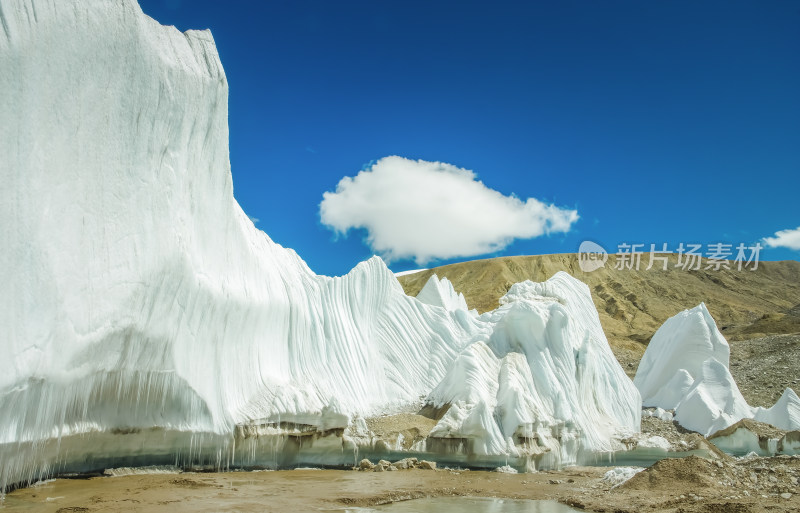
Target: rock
555 481
427 465
391 468
406 463
384 463
786 495
365 464
378 468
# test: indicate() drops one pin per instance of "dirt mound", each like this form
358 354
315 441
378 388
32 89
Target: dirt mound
761 430
700 485
693 472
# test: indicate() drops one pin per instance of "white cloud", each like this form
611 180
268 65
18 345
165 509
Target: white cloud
785 239
432 210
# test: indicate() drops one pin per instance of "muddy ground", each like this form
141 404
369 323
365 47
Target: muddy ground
686 485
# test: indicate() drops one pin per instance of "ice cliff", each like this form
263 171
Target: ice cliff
144 320
686 368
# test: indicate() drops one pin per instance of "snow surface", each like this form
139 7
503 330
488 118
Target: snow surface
441 293
505 469
620 475
784 414
655 442
675 357
659 413
146 321
685 368
405 273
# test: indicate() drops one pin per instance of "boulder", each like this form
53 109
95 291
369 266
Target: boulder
427 465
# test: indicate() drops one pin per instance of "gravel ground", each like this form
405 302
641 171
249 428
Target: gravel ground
669 430
764 367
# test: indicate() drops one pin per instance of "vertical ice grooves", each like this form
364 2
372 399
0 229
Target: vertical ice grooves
154 324
4 23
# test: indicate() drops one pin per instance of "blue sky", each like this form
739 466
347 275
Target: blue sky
658 122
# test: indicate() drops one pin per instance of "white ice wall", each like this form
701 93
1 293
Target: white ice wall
139 304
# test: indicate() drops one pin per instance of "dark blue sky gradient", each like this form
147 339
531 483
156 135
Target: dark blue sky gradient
659 121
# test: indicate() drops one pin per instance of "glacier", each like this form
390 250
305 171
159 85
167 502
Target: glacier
441 293
544 383
685 368
146 321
